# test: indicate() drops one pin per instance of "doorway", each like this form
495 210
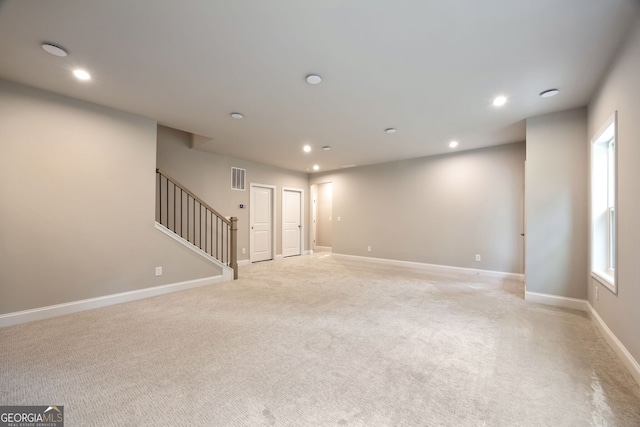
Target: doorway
261 214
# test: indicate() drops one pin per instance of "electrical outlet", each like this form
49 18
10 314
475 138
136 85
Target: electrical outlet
478 257
368 248
244 250
158 271
597 294
338 219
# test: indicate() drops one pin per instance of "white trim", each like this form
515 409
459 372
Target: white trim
557 301
436 267
604 279
627 359
103 301
243 262
323 248
227 272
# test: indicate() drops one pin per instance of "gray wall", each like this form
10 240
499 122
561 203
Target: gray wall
208 175
325 215
620 91
556 205
77 194
437 210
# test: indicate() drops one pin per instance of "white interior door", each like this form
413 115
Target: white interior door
261 223
291 222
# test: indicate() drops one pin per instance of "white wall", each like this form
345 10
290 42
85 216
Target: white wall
620 91
556 204
437 210
77 203
208 175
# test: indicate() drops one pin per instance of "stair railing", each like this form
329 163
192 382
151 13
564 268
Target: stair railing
188 216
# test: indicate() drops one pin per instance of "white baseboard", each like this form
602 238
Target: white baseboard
433 267
227 272
323 248
627 359
91 303
583 305
243 262
557 301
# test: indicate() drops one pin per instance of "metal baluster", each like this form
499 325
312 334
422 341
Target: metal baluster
187 217
160 196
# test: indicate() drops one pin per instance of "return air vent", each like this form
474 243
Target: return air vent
237 178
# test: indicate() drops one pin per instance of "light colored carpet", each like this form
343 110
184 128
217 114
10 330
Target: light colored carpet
320 341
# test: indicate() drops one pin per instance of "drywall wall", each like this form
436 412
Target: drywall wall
620 91
77 194
325 215
208 175
437 210
556 204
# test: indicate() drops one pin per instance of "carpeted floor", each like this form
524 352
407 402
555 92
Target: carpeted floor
316 340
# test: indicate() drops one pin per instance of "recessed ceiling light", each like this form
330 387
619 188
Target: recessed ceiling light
390 130
316 167
306 148
81 74
453 144
54 50
313 79
499 101
326 148
237 115
549 93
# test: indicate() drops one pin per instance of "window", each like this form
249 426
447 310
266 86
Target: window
603 205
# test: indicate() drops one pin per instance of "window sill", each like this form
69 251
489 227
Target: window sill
605 279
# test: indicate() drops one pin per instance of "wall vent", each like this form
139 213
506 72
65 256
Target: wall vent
237 178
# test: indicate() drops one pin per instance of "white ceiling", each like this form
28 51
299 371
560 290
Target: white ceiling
428 68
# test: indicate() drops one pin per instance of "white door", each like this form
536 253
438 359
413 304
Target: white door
261 223
291 222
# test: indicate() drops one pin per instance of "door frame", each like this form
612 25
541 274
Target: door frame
314 215
273 217
302 240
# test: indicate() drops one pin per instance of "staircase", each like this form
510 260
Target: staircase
195 222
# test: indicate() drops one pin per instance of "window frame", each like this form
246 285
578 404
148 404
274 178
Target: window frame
604 200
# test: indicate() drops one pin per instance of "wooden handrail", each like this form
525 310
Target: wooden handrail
198 199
